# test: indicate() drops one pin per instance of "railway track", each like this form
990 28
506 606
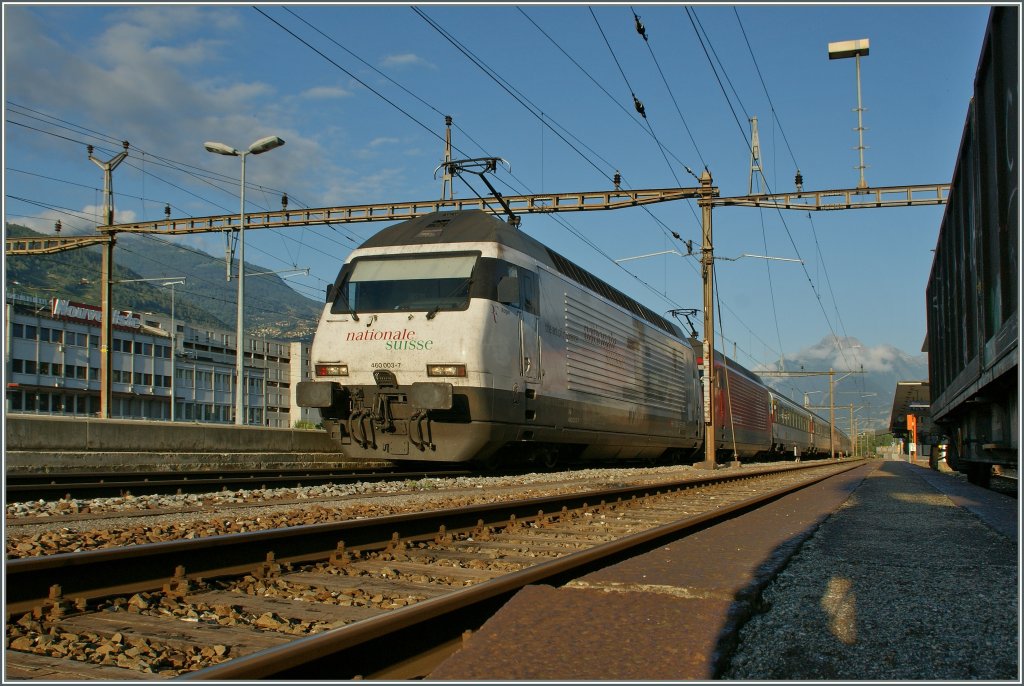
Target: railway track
384 597
27 487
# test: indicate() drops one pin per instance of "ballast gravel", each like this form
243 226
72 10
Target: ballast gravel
72 525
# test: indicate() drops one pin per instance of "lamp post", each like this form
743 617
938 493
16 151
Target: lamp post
259 147
174 342
854 48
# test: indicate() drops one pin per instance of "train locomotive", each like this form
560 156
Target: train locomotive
454 337
972 296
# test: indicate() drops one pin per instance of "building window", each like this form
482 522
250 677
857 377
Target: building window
138 347
94 341
17 366
30 332
18 330
30 368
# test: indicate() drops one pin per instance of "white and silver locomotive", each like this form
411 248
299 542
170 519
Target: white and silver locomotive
455 336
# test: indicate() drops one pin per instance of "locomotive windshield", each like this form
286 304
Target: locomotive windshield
397 283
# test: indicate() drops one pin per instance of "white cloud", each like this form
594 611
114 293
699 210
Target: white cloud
325 92
405 60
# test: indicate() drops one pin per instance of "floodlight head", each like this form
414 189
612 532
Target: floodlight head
848 48
220 148
265 144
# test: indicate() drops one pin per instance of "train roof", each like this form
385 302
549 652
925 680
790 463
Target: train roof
477 226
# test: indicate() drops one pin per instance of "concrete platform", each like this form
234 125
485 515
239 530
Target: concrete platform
676 613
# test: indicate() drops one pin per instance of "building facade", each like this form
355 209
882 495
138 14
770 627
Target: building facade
52 366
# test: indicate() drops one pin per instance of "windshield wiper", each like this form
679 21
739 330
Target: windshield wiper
437 308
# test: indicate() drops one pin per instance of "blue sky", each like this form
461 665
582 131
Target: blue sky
168 77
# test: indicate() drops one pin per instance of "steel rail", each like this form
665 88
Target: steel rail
131 569
341 653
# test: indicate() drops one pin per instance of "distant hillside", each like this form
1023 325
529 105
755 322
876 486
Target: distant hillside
207 298
883 366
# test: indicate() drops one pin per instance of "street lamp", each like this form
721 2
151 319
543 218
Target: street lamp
259 147
854 48
174 341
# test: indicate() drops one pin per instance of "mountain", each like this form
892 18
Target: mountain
206 299
872 387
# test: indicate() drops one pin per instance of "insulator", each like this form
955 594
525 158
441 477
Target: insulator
639 107
676 236
617 179
447 120
640 27
799 180
57 227
125 144
689 247
89 149
167 210
284 201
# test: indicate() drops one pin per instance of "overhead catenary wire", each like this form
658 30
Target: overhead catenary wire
760 76
535 111
668 88
211 178
636 101
702 37
147 169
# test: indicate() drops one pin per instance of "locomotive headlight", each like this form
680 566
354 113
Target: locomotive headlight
332 370
446 370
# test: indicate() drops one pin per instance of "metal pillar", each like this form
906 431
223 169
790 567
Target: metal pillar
860 127
831 413
240 388
106 330
707 273
107 277
447 189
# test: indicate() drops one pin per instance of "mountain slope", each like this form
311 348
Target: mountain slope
206 299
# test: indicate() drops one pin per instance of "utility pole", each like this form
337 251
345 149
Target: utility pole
708 275
107 276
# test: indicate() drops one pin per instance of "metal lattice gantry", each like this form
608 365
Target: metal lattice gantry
277 219
844 198
47 246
